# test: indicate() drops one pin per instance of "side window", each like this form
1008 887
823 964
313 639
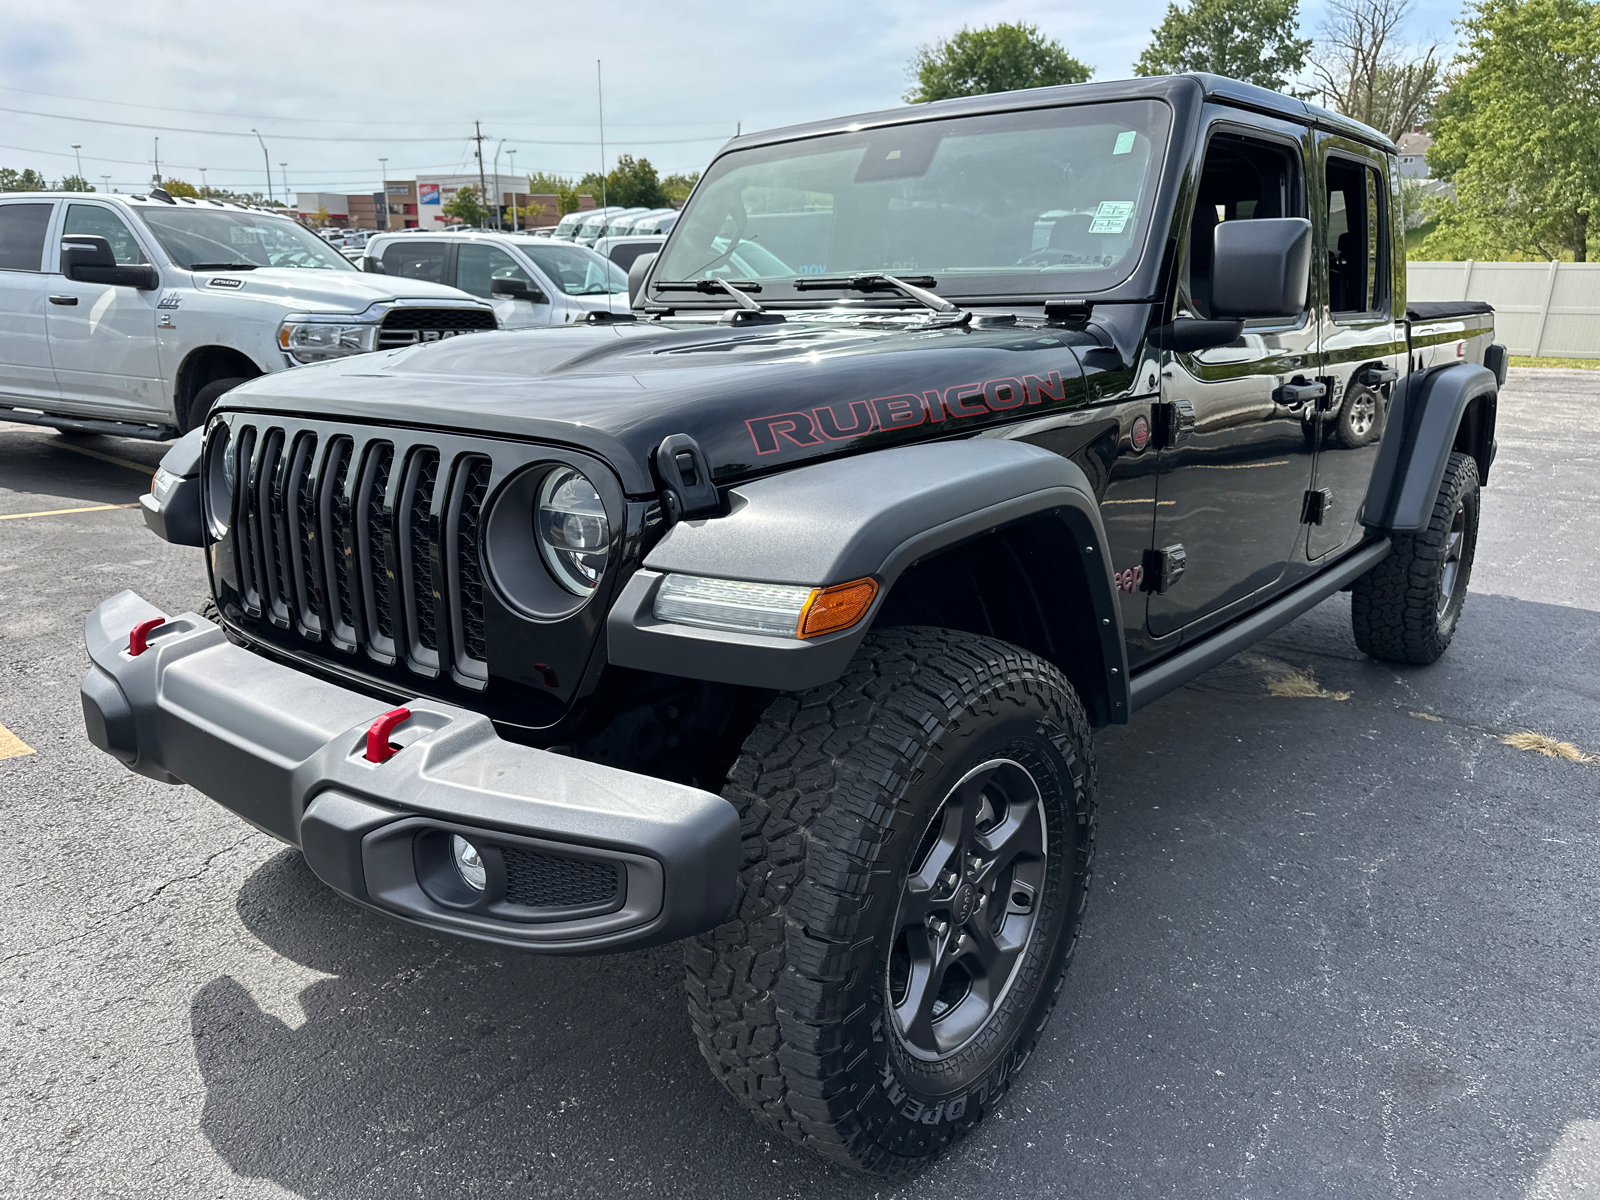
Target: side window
415 260
1358 276
477 266
102 222
22 230
1241 179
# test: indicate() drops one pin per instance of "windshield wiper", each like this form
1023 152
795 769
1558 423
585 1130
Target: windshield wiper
748 312
224 266
876 281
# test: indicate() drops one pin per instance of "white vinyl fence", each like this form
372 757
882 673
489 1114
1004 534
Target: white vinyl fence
1550 309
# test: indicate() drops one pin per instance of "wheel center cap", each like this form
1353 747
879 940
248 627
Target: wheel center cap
962 903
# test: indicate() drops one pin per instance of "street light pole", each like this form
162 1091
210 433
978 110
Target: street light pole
383 189
107 180
77 146
498 223
266 160
512 155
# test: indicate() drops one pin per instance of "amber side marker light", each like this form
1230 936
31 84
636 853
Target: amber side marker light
838 607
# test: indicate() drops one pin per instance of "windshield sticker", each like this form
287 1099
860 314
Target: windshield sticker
840 422
244 235
1124 143
1111 217
227 281
169 300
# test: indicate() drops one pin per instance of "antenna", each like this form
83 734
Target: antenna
600 91
158 162
266 160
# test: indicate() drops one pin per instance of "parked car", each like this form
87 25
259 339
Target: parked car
132 314
567 228
531 282
626 250
591 230
779 617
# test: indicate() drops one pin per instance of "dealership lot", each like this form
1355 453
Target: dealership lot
1342 940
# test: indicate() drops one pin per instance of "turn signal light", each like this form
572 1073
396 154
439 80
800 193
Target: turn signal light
838 607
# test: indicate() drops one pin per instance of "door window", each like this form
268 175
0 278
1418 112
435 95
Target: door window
102 222
478 266
415 260
22 230
1358 281
1242 179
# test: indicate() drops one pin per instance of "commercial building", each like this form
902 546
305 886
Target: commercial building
419 203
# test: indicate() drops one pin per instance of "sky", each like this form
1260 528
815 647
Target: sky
332 88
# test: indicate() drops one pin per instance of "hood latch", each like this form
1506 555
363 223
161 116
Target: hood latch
686 478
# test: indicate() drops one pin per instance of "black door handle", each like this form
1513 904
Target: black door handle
1379 375
1293 395
68 300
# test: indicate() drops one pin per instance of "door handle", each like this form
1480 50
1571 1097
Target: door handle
1298 392
1174 422
1377 376
67 300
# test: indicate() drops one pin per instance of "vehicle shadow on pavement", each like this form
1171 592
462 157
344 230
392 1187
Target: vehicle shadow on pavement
68 466
1331 946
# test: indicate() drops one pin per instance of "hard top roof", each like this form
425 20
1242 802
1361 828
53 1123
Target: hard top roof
1213 87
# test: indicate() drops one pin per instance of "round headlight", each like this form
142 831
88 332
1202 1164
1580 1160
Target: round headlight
574 535
469 863
222 471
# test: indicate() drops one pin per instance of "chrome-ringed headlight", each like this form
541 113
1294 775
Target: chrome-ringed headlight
572 529
313 338
220 475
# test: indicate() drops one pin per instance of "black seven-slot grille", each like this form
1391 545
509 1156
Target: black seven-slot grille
408 326
344 538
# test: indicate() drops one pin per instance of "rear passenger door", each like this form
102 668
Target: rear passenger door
26 372
417 258
1363 331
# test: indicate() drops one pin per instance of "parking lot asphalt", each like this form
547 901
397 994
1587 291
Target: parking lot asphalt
1343 940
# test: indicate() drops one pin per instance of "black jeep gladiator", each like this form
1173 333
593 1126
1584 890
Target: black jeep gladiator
776 613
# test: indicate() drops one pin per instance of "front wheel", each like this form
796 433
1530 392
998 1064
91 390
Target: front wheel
918 844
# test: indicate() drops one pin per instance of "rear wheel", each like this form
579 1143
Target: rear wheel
918 842
1407 607
1360 416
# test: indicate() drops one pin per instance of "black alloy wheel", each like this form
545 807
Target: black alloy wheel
968 910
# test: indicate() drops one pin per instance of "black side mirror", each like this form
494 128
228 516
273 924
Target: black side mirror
1261 268
517 289
636 273
87 258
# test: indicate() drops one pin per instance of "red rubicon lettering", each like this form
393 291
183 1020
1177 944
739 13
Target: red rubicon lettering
1002 394
935 403
860 420
899 412
1040 390
796 427
955 398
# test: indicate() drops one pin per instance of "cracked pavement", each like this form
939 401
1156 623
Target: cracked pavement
1336 947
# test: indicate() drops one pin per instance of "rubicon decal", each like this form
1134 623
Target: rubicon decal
843 421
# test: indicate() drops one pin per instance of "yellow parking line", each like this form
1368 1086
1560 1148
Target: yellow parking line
11 746
110 458
61 512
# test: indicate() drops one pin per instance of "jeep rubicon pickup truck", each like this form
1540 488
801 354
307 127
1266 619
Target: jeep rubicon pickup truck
130 315
776 614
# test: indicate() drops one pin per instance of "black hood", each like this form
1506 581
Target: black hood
756 399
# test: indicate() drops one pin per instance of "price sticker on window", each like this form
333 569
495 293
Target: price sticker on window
1124 143
1111 217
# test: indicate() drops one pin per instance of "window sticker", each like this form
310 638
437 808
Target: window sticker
244 235
1112 216
1124 143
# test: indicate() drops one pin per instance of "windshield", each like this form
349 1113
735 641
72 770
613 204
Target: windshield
210 239
1046 200
577 270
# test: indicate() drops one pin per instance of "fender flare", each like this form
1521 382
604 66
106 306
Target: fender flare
875 515
1425 416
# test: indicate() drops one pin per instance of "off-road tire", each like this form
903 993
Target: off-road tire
1396 609
836 788
200 407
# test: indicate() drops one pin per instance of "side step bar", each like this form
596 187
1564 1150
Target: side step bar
149 433
1171 673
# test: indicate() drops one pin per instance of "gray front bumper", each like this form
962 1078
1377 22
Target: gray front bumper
286 751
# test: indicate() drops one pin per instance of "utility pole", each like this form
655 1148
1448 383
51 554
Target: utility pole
383 191
266 160
512 155
483 186
600 92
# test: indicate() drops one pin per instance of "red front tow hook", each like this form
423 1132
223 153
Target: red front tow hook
139 635
379 747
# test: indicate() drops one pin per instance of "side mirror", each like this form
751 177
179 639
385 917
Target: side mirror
636 274
517 289
1261 267
87 258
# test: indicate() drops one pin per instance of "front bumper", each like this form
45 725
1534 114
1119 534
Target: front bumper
582 858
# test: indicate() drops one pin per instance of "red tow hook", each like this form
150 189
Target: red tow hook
379 747
139 635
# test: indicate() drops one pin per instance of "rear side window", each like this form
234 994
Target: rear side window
102 222
1358 276
22 230
415 260
624 256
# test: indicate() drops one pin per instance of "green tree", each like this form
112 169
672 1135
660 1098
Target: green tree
25 180
465 207
74 183
634 184
178 187
1517 132
1364 70
678 186
975 62
1252 40
541 183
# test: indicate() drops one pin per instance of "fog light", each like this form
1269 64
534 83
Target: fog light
468 862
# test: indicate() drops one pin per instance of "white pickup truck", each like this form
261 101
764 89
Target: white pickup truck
132 314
